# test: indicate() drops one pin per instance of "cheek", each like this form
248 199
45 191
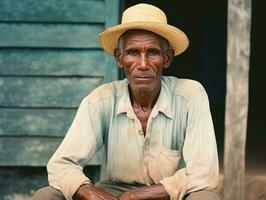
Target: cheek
127 59
157 67
128 70
129 65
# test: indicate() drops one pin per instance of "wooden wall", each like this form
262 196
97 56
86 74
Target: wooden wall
49 60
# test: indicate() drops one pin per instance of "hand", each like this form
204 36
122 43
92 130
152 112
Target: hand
128 195
89 192
153 192
131 196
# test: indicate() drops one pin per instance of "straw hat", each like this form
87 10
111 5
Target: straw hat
146 17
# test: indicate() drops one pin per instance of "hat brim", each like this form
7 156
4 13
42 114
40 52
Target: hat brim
178 40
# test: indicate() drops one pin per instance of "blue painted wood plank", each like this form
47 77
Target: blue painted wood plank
52 11
45 91
33 151
32 62
49 35
35 122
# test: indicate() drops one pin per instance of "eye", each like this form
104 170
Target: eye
132 52
153 52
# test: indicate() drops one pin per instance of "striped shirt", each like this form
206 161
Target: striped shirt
179 148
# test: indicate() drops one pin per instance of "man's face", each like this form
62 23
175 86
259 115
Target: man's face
143 55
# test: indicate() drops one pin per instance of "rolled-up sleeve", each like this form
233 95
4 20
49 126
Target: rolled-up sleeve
82 141
201 171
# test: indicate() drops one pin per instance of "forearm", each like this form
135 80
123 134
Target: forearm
156 192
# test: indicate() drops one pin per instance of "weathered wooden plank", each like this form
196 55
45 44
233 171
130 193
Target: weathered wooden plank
32 151
45 91
49 35
25 151
238 52
52 62
52 10
19 183
35 122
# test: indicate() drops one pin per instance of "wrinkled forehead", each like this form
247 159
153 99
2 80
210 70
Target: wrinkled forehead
140 32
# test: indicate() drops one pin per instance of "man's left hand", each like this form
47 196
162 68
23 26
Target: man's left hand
155 192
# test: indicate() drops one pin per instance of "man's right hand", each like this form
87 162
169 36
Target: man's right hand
89 192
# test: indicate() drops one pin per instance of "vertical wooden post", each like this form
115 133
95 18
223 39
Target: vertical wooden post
238 51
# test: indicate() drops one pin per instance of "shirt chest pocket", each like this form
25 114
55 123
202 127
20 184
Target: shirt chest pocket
163 162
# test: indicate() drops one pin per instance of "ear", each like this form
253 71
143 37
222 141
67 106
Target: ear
169 56
117 55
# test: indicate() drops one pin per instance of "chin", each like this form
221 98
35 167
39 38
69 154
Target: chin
144 88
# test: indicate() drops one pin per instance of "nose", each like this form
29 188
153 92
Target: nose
143 64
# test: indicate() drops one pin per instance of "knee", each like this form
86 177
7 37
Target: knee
48 193
203 195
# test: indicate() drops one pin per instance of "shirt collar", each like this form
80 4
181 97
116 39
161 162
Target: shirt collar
163 103
124 104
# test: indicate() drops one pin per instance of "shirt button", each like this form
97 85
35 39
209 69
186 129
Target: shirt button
140 132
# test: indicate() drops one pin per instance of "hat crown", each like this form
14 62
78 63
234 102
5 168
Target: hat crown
144 13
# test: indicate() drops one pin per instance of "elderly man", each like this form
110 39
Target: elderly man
157 131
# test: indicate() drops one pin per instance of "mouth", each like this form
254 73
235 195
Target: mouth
143 78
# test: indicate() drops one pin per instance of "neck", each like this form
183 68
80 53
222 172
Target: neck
144 100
